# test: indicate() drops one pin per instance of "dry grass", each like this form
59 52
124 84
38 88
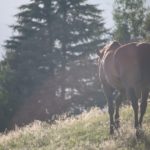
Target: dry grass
88 131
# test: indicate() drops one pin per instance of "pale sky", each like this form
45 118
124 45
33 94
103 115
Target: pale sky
9 7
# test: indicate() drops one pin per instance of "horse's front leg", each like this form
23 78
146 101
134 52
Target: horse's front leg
134 101
118 103
111 115
108 92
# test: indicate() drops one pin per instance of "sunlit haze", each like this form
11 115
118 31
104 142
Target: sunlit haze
8 9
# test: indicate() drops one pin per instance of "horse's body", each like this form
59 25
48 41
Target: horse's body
127 69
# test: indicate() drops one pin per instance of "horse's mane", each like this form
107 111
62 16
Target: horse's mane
113 46
109 47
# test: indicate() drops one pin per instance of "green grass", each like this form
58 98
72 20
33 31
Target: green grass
88 131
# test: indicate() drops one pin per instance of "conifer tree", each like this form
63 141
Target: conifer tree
49 37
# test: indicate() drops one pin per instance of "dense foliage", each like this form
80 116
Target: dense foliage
147 26
129 17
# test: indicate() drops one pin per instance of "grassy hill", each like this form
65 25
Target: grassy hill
88 131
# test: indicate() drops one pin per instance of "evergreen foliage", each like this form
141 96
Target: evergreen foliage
51 36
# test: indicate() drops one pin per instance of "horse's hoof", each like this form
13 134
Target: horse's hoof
139 133
117 124
111 132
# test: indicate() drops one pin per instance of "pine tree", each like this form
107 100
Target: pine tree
49 37
30 50
81 32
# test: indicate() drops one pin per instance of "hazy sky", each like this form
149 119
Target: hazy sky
9 7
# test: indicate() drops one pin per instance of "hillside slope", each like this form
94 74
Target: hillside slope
88 131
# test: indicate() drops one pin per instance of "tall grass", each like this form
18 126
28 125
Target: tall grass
88 131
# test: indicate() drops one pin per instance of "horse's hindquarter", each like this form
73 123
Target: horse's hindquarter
127 65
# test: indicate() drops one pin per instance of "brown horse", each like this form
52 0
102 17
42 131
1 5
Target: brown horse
125 68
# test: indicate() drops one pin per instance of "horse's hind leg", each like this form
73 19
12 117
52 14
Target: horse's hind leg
134 100
143 105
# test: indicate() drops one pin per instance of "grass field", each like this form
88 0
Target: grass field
88 131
